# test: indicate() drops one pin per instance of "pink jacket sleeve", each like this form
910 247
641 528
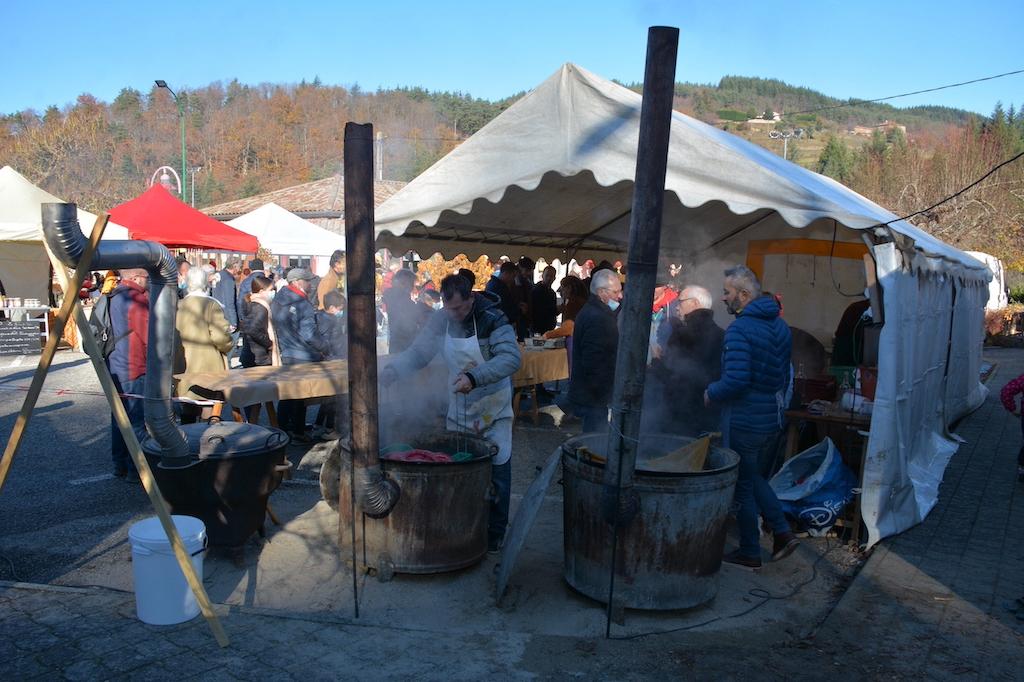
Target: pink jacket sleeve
1009 393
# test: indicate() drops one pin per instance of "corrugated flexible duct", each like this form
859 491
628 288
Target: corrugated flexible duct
65 239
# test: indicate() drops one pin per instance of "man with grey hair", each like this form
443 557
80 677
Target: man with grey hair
692 359
595 341
751 393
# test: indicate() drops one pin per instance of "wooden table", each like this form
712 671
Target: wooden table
848 430
538 367
257 386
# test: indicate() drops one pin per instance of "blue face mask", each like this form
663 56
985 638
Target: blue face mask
613 304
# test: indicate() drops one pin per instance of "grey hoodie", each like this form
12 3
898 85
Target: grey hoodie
496 336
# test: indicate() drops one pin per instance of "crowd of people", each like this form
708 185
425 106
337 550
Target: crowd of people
705 378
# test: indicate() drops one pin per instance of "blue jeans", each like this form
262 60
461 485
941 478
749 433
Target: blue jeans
497 520
753 494
291 414
135 407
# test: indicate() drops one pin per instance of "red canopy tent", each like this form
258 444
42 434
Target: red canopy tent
157 216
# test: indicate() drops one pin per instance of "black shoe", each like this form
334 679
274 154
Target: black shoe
494 546
783 546
120 472
742 560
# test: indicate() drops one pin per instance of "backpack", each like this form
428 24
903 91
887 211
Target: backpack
102 327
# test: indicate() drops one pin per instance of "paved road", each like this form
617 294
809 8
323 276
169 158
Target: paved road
927 604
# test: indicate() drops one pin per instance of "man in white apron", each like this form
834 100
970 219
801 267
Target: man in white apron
479 347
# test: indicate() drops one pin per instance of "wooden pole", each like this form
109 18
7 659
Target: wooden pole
620 502
360 284
182 555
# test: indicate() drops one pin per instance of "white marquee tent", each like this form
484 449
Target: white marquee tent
552 176
285 234
24 267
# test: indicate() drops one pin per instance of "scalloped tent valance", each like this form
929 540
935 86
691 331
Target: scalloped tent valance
553 174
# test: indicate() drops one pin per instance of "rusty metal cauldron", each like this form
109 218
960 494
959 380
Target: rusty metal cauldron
670 554
440 521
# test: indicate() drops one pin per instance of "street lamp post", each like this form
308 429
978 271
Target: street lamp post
785 135
181 117
193 171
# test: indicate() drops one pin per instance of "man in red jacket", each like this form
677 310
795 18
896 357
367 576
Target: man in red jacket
129 319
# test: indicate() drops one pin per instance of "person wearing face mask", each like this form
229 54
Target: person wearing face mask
751 394
331 323
479 347
259 346
595 341
299 340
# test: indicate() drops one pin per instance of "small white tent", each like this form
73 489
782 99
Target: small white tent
553 176
285 234
24 267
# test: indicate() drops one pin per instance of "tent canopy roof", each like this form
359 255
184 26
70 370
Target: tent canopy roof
554 174
21 216
285 233
157 216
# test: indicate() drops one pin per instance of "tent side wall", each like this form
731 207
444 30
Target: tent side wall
25 270
928 347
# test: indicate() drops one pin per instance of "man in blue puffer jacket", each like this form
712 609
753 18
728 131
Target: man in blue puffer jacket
755 377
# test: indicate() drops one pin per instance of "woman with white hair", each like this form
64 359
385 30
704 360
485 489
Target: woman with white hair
203 335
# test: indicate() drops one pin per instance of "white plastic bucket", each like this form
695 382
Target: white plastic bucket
162 596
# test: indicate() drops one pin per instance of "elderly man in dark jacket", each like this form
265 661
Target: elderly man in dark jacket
692 359
595 341
756 372
479 347
299 341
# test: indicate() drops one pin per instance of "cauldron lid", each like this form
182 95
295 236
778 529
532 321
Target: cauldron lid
225 440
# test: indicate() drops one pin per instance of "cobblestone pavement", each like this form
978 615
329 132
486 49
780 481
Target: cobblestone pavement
928 604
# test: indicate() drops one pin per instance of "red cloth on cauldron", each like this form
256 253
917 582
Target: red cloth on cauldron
418 455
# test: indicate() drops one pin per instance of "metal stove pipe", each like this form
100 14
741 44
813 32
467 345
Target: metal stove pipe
375 492
65 239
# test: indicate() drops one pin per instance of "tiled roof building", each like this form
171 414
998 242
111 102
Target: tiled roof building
321 202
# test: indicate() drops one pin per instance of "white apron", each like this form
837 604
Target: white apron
486 410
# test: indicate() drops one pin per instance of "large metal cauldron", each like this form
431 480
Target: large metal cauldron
440 521
239 465
669 555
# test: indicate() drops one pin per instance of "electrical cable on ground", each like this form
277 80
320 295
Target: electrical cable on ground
757 592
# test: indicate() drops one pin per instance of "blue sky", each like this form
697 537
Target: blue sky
490 49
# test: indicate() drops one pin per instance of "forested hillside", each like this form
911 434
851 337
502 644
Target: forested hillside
251 139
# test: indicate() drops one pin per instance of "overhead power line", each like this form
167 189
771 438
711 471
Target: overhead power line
977 182
856 102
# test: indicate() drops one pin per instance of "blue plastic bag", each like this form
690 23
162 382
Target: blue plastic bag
815 487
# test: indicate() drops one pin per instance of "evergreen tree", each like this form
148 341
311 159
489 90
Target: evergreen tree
836 161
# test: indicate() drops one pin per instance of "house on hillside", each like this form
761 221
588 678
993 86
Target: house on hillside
885 127
321 202
776 117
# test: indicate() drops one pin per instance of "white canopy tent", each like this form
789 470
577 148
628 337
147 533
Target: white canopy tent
24 267
552 176
285 234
